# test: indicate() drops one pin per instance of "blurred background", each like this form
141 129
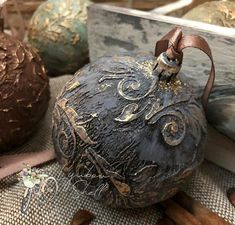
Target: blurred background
22 10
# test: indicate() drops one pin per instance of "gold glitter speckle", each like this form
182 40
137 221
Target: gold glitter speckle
174 85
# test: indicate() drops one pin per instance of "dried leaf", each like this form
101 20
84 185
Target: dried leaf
82 217
123 188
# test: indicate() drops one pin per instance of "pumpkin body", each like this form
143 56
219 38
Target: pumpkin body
58 30
24 91
220 13
124 137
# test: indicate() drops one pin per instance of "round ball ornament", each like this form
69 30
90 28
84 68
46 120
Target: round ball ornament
128 130
220 13
58 31
24 91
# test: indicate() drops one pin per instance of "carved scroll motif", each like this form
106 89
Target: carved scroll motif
67 135
137 87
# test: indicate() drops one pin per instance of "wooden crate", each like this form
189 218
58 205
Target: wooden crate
17 14
136 4
25 6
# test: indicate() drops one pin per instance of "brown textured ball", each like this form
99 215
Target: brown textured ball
24 92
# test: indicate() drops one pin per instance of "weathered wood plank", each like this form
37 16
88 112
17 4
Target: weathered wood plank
113 30
137 4
220 150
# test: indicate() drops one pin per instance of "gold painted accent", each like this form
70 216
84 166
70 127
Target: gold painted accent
173 85
147 67
135 85
146 171
78 126
68 166
65 16
104 87
103 167
63 6
36 19
128 114
172 127
75 39
3 66
66 24
122 188
172 133
73 85
48 7
154 109
46 22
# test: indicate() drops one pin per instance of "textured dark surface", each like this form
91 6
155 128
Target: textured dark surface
125 138
24 92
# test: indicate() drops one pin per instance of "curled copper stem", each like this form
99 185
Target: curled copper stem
173 43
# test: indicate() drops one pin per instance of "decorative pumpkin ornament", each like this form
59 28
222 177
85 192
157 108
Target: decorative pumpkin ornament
58 30
24 91
215 12
128 130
